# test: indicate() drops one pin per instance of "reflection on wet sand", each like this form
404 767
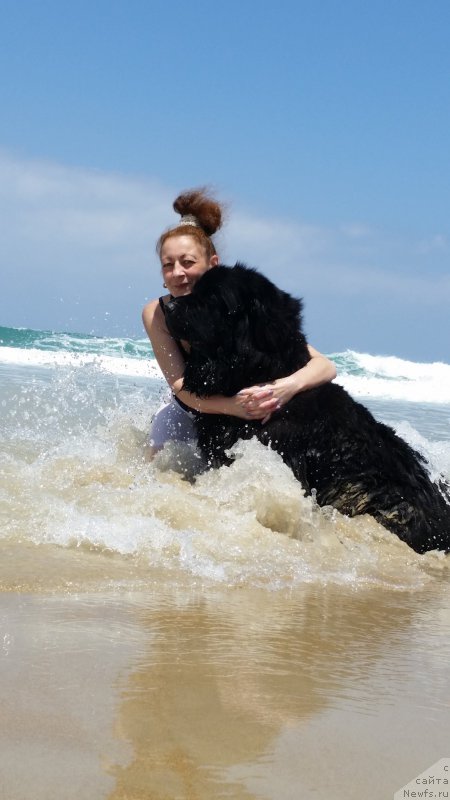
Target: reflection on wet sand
123 682
222 680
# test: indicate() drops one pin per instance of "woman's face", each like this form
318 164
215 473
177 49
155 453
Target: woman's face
183 262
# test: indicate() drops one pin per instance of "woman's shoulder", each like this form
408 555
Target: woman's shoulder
154 310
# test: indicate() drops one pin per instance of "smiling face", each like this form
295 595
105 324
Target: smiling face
183 262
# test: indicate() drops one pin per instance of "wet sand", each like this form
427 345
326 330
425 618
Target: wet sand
124 683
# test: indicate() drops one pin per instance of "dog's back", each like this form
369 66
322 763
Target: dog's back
360 466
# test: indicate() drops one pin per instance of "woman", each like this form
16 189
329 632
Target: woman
186 252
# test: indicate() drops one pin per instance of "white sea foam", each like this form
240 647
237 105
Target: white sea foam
32 357
363 375
244 525
389 377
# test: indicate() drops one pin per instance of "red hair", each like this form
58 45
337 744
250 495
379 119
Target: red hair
208 215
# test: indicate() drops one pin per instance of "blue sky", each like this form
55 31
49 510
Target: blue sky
325 126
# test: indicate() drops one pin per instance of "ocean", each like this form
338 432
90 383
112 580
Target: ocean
168 634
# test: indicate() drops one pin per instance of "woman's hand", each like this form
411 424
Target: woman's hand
260 402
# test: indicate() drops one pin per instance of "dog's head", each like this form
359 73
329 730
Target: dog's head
242 330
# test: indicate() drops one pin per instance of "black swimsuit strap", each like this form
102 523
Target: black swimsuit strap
163 305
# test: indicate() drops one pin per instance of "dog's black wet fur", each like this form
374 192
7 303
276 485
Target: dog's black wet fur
243 331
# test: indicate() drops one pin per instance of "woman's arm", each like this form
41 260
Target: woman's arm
255 402
317 371
171 362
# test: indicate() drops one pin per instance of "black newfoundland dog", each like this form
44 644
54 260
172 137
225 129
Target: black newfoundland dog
243 330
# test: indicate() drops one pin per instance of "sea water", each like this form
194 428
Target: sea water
76 412
264 624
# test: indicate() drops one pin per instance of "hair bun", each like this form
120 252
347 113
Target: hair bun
199 203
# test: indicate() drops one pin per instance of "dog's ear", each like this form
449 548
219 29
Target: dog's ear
274 320
230 299
219 289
